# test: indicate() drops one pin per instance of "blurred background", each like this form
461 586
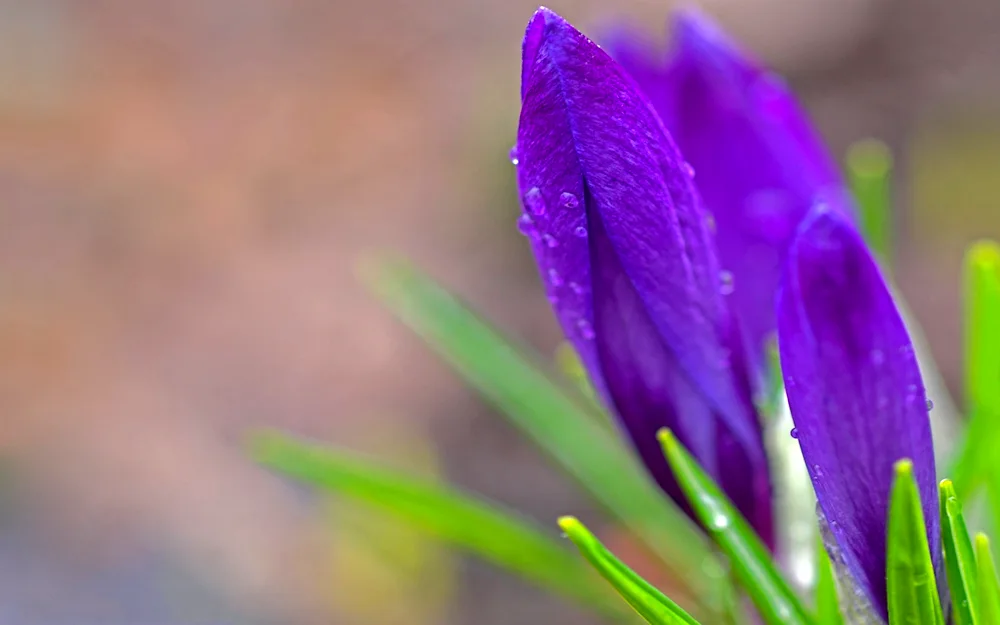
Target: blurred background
186 187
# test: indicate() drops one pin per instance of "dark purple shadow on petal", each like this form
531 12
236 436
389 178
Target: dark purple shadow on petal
855 392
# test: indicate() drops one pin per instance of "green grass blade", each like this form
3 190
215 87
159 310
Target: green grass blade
982 367
484 529
982 339
986 582
827 600
912 588
869 167
751 563
556 420
959 559
651 604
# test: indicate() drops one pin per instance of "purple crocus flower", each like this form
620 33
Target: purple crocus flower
626 252
855 393
760 165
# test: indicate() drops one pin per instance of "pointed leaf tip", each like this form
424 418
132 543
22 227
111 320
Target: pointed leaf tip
752 564
911 588
651 604
989 590
903 468
959 559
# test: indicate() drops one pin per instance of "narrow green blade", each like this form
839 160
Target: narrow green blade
749 558
959 559
827 601
869 167
556 420
986 582
982 368
651 604
982 339
484 529
912 588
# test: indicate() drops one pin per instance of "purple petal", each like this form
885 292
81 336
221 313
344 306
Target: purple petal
760 165
627 256
855 392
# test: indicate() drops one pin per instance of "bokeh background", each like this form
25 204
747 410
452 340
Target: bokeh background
186 187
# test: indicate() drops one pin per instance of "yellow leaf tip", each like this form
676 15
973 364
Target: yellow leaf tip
870 157
984 255
982 542
903 467
666 437
571 526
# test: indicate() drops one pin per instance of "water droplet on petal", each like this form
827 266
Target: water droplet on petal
727 286
534 202
930 405
569 200
580 231
514 160
586 331
817 471
878 357
576 288
526 224
688 169
550 240
554 278
794 432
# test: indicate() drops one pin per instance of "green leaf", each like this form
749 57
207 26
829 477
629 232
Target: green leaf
986 582
827 600
651 604
557 420
911 586
959 559
869 167
484 529
982 366
752 564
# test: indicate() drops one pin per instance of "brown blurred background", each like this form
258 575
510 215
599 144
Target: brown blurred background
185 189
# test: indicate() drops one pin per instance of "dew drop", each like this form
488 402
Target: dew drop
580 231
569 200
576 288
514 160
526 224
554 278
710 222
817 471
720 521
550 241
794 432
688 169
586 331
878 357
534 201
930 405
727 286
